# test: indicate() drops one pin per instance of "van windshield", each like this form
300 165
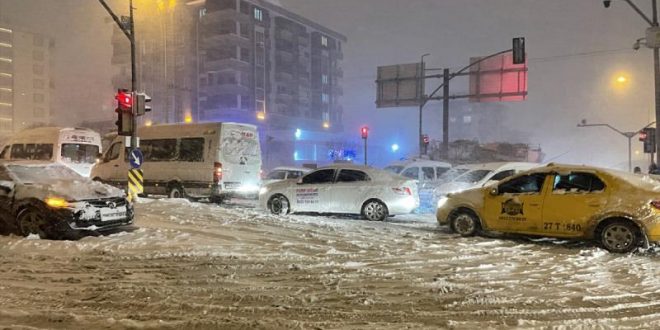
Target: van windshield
79 153
240 145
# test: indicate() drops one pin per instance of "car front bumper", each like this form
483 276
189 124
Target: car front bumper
76 220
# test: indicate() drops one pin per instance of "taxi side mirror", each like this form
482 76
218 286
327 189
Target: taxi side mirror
494 192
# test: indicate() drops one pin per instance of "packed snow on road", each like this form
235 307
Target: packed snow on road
196 265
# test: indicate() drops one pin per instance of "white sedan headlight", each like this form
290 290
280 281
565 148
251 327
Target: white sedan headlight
263 191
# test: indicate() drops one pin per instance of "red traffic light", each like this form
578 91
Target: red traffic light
425 139
124 100
365 132
642 136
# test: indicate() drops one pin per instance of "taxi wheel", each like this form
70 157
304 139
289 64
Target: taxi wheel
620 236
176 191
32 222
374 211
464 223
278 205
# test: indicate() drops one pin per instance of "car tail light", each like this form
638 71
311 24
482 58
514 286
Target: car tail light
217 172
656 204
403 191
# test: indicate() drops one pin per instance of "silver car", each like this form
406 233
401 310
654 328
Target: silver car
344 189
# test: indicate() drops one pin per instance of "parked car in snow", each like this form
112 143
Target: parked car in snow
77 148
344 189
424 171
284 173
53 201
619 210
480 175
207 160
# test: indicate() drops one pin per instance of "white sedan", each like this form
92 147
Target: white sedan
345 189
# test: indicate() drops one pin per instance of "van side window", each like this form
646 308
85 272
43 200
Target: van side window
3 155
161 150
191 150
32 151
113 153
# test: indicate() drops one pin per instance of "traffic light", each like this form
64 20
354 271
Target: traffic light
365 132
519 51
124 112
649 139
425 139
141 104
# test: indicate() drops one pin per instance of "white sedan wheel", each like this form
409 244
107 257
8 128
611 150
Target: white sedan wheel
375 211
278 205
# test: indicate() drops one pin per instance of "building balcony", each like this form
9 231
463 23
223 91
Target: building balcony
236 89
229 63
224 40
224 15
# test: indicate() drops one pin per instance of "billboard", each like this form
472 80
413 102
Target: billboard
400 85
498 80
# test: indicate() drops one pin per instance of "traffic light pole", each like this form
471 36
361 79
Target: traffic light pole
365 152
628 135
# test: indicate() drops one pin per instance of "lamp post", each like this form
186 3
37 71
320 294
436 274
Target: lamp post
628 135
650 32
422 102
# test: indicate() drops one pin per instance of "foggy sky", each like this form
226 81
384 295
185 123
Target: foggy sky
564 86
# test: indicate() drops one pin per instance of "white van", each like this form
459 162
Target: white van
214 160
77 148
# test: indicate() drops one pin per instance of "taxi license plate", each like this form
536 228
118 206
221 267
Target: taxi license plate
113 214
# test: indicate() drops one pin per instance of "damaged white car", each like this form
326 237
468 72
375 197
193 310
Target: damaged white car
52 201
343 189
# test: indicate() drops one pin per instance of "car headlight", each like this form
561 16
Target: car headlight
442 201
263 191
56 202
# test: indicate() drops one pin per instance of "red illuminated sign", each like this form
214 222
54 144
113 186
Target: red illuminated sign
498 80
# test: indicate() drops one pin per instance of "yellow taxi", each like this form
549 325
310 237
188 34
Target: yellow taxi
619 210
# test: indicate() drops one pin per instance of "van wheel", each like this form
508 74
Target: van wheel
176 191
278 205
32 222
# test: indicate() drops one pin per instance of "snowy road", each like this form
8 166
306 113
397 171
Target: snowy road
192 265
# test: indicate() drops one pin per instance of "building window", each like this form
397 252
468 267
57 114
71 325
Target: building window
38 98
245 30
324 41
38 83
258 14
227 27
38 69
325 98
259 38
325 79
467 119
260 57
245 55
245 8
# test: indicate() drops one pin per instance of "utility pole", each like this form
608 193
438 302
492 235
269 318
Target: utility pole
422 102
652 31
128 28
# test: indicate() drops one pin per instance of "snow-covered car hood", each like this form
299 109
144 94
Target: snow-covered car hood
452 187
71 190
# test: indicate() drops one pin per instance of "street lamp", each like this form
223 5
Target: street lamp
652 41
628 135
